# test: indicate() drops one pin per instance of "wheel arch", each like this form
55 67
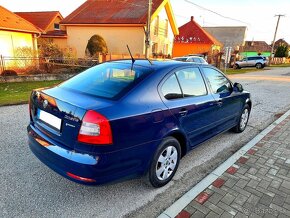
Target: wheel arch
181 138
249 102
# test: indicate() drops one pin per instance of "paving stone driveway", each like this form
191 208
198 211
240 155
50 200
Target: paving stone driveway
257 185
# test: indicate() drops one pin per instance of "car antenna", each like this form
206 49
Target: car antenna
133 60
149 61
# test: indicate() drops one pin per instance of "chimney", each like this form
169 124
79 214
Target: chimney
191 18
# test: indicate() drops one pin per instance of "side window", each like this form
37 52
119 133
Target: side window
218 82
191 82
170 88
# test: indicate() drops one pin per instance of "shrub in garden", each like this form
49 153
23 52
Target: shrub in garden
96 45
8 73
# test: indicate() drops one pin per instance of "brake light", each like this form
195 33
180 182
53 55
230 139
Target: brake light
95 129
29 108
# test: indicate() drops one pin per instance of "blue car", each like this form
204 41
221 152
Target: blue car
122 120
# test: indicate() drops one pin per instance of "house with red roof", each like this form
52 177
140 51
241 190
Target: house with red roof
193 39
121 23
16 33
48 22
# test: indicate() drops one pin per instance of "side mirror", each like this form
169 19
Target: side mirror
238 87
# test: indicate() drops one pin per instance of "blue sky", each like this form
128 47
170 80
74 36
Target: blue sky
258 14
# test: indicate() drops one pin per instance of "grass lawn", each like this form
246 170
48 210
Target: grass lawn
18 92
243 70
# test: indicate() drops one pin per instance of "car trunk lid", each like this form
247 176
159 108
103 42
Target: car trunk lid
58 112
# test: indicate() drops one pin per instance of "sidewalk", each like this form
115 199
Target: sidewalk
254 182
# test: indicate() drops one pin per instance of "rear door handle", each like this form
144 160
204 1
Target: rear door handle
219 103
183 112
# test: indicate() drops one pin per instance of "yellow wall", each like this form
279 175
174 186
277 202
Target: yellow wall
9 41
116 38
60 42
164 43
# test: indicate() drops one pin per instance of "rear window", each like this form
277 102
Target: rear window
109 80
180 59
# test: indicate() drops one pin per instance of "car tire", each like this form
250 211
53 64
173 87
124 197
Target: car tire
259 66
236 66
243 120
165 163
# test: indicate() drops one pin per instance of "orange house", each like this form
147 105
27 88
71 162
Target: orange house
193 39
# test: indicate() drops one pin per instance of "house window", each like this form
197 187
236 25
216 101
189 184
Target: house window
156 26
166 29
56 26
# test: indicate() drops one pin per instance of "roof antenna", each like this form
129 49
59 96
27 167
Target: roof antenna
133 60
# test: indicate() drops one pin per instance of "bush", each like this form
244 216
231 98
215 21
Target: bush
282 51
9 73
95 46
47 49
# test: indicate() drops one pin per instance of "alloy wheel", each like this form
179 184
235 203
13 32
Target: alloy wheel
244 119
166 163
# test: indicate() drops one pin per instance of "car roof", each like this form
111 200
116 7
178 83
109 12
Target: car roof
156 64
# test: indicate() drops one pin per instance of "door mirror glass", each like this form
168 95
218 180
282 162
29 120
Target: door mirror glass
238 87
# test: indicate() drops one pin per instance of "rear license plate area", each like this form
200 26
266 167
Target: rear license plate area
49 119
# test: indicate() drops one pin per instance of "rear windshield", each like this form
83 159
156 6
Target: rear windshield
180 59
108 80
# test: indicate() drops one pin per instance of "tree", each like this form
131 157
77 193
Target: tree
96 45
282 51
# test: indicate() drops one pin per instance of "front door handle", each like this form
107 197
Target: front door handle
183 112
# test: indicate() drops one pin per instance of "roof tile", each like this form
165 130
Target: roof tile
192 32
40 19
111 12
11 21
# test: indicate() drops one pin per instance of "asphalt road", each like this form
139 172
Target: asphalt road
29 189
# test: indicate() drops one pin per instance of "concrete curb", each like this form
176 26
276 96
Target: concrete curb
182 202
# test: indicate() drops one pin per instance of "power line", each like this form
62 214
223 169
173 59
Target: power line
216 13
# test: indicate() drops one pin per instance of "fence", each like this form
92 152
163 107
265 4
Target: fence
32 65
276 61
110 57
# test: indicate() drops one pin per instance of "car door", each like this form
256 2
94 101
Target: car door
229 102
185 93
252 61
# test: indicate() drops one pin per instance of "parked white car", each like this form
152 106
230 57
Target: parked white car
195 59
256 61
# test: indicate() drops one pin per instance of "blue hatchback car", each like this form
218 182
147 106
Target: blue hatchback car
123 120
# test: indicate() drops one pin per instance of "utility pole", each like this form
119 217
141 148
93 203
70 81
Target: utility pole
147 33
275 34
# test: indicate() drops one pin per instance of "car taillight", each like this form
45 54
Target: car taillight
95 129
29 108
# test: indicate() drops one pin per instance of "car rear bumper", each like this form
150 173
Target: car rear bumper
87 168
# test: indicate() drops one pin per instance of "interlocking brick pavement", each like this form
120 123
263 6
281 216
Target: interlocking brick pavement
257 185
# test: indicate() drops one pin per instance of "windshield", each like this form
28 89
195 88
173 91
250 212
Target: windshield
108 80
